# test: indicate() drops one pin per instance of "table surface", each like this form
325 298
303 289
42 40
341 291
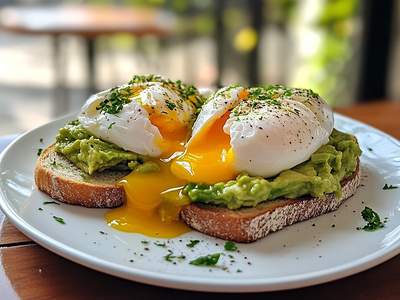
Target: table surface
28 271
86 20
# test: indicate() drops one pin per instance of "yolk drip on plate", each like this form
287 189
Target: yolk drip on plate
145 210
154 199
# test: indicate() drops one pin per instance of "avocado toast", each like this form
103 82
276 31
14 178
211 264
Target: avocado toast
241 164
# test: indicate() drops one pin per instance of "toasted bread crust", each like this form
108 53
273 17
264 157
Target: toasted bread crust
250 224
73 191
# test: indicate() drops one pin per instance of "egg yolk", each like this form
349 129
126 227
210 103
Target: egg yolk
154 199
208 158
146 209
173 133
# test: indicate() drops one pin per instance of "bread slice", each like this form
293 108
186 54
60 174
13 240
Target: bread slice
62 180
250 224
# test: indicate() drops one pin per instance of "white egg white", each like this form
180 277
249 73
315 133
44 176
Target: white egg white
216 106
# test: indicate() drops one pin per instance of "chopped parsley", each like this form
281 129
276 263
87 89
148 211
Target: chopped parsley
230 246
170 256
145 242
170 105
207 260
111 125
41 140
39 151
50 202
389 187
187 92
160 244
40 208
372 218
370 149
102 232
192 243
114 101
59 220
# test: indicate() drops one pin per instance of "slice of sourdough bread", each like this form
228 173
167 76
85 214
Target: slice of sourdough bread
250 224
62 180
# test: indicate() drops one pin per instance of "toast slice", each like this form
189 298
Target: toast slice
247 225
62 180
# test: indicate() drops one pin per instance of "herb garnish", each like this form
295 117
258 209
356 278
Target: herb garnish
187 92
389 187
373 219
192 243
160 244
40 208
59 220
170 256
144 242
170 105
111 125
208 260
230 246
50 202
39 151
114 101
41 140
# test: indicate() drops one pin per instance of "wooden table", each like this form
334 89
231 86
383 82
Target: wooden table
87 22
30 272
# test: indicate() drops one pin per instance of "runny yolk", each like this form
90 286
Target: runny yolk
208 158
154 199
145 210
174 133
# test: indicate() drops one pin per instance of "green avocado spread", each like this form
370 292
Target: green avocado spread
321 174
91 154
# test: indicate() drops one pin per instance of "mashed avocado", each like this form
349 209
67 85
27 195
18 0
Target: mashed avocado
320 174
91 154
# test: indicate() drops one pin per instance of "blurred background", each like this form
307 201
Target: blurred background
53 54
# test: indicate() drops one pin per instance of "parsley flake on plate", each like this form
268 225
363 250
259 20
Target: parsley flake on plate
170 256
207 260
373 220
192 243
59 220
230 246
389 187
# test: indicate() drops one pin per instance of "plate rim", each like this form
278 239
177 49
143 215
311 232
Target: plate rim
196 283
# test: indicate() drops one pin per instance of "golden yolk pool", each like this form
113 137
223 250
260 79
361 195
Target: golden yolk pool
154 199
144 211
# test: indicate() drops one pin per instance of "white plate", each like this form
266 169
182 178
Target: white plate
297 256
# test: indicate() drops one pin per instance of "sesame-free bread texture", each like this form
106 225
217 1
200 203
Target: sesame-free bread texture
62 180
247 225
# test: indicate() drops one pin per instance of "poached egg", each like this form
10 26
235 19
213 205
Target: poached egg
153 120
261 131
